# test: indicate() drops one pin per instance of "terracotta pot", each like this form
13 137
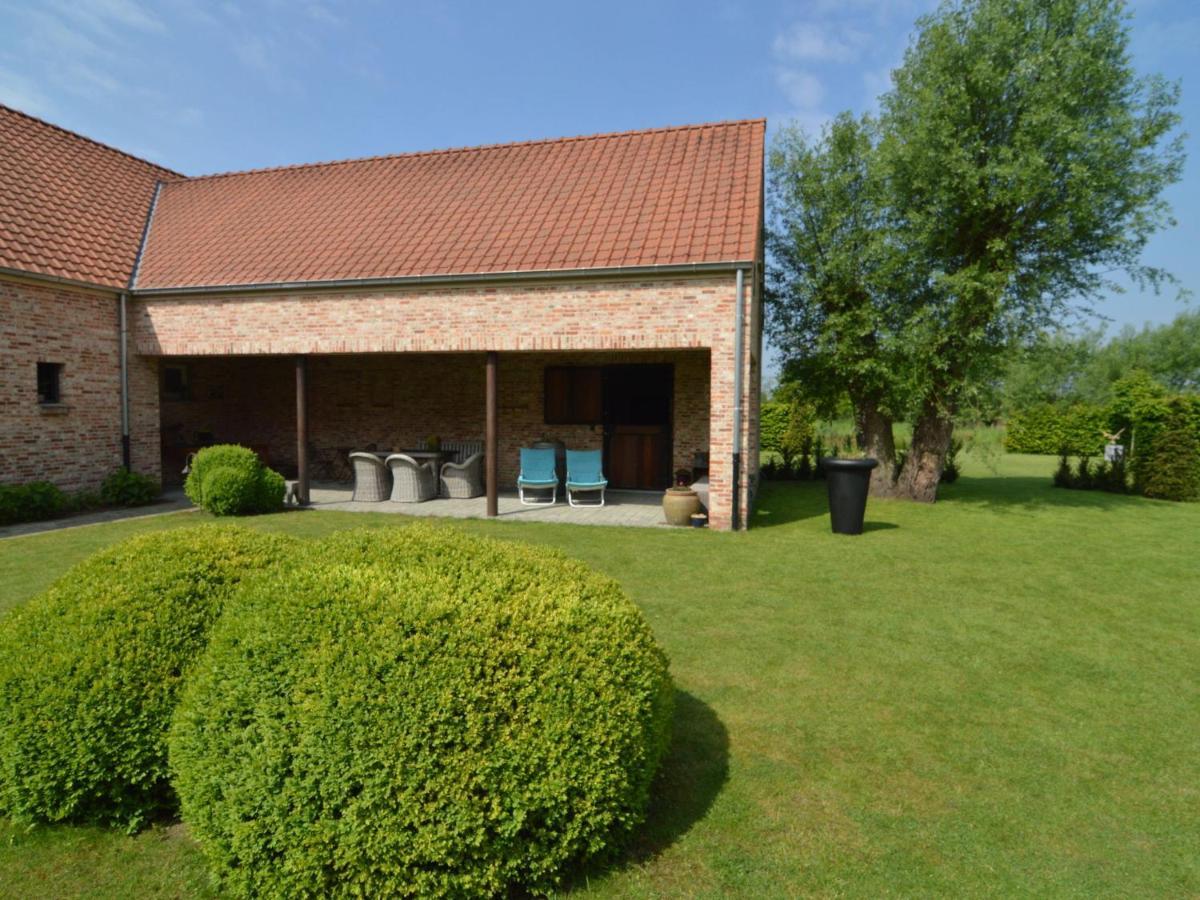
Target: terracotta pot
679 504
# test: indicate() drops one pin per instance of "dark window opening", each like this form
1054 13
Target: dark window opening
175 384
49 382
574 395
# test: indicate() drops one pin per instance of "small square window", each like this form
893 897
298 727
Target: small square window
175 384
49 382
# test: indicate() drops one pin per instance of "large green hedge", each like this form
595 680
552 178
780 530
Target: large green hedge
1052 430
1169 468
420 713
90 670
230 480
30 502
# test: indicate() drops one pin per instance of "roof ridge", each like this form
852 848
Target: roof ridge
725 123
90 140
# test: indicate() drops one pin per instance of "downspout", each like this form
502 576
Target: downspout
737 402
124 320
125 455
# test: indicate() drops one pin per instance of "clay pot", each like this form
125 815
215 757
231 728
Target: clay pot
679 504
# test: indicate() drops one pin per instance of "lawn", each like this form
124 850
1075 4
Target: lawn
995 695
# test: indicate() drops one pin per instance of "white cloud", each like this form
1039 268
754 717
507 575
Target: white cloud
815 42
803 89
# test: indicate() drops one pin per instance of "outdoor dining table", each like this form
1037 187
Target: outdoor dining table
437 457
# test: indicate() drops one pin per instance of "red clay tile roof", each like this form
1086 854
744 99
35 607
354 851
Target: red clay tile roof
70 207
667 196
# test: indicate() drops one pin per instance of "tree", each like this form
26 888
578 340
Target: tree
836 282
1023 160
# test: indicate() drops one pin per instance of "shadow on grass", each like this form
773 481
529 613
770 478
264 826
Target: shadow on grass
783 502
1025 493
693 772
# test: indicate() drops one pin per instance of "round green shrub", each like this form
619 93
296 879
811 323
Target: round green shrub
90 671
230 492
247 486
420 713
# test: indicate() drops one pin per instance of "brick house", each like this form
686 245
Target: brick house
600 291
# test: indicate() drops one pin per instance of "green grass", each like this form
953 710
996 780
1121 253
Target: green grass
995 695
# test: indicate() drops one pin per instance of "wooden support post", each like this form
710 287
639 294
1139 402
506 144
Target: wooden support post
491 438
302 430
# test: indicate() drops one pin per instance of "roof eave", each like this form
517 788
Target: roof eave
9 272
452 279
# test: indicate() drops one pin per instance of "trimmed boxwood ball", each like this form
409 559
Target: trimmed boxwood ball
422 713
90 672
230 480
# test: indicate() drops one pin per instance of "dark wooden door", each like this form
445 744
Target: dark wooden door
637 426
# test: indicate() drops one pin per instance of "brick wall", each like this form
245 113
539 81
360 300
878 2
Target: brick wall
77 443
669 314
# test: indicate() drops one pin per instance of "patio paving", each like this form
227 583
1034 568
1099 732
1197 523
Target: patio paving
636 508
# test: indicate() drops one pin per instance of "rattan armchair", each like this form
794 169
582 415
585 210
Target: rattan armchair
465 479
371 479
412 482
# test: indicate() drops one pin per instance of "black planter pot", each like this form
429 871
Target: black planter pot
847 481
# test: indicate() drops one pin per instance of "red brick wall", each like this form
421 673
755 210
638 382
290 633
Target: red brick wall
79 443
400 400
614 316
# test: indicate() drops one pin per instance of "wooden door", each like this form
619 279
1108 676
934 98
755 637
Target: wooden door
637 426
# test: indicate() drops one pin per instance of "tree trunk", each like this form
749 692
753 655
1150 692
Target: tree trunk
926 456
877 441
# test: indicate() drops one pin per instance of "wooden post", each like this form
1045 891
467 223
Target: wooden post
491 449
302 430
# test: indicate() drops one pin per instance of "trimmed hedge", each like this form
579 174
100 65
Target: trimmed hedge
126 488
421 713
1049 430
31 502
1170 469
229 480
90 670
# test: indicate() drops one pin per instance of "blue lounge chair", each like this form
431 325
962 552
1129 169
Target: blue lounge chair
585 473
537 473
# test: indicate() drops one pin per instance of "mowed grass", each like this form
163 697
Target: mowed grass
995 695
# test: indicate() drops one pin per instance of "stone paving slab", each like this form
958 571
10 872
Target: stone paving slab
634 508
170 502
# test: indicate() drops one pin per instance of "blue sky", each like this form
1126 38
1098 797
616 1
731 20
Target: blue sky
211 86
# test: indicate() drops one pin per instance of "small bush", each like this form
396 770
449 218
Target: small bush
951 469
1063 477
1170 469
243 486
89 672
420 713
126 488
31 502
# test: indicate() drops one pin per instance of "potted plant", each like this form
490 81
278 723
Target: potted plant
680 502
847 480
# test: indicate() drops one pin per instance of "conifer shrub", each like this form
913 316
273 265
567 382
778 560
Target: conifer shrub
90 671
417 712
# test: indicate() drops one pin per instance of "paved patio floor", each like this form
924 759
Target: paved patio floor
621 508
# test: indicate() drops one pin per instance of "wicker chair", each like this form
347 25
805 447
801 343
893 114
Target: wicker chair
371 479
463 480
462 450
412 482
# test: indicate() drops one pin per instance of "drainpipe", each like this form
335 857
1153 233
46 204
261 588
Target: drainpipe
125 458
737 403
133 275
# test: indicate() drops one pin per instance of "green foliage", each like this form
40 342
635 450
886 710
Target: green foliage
951 469
419 712
31 502
229 480
772 425
1063 369
1047 429
126 488
90 670
1170 469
